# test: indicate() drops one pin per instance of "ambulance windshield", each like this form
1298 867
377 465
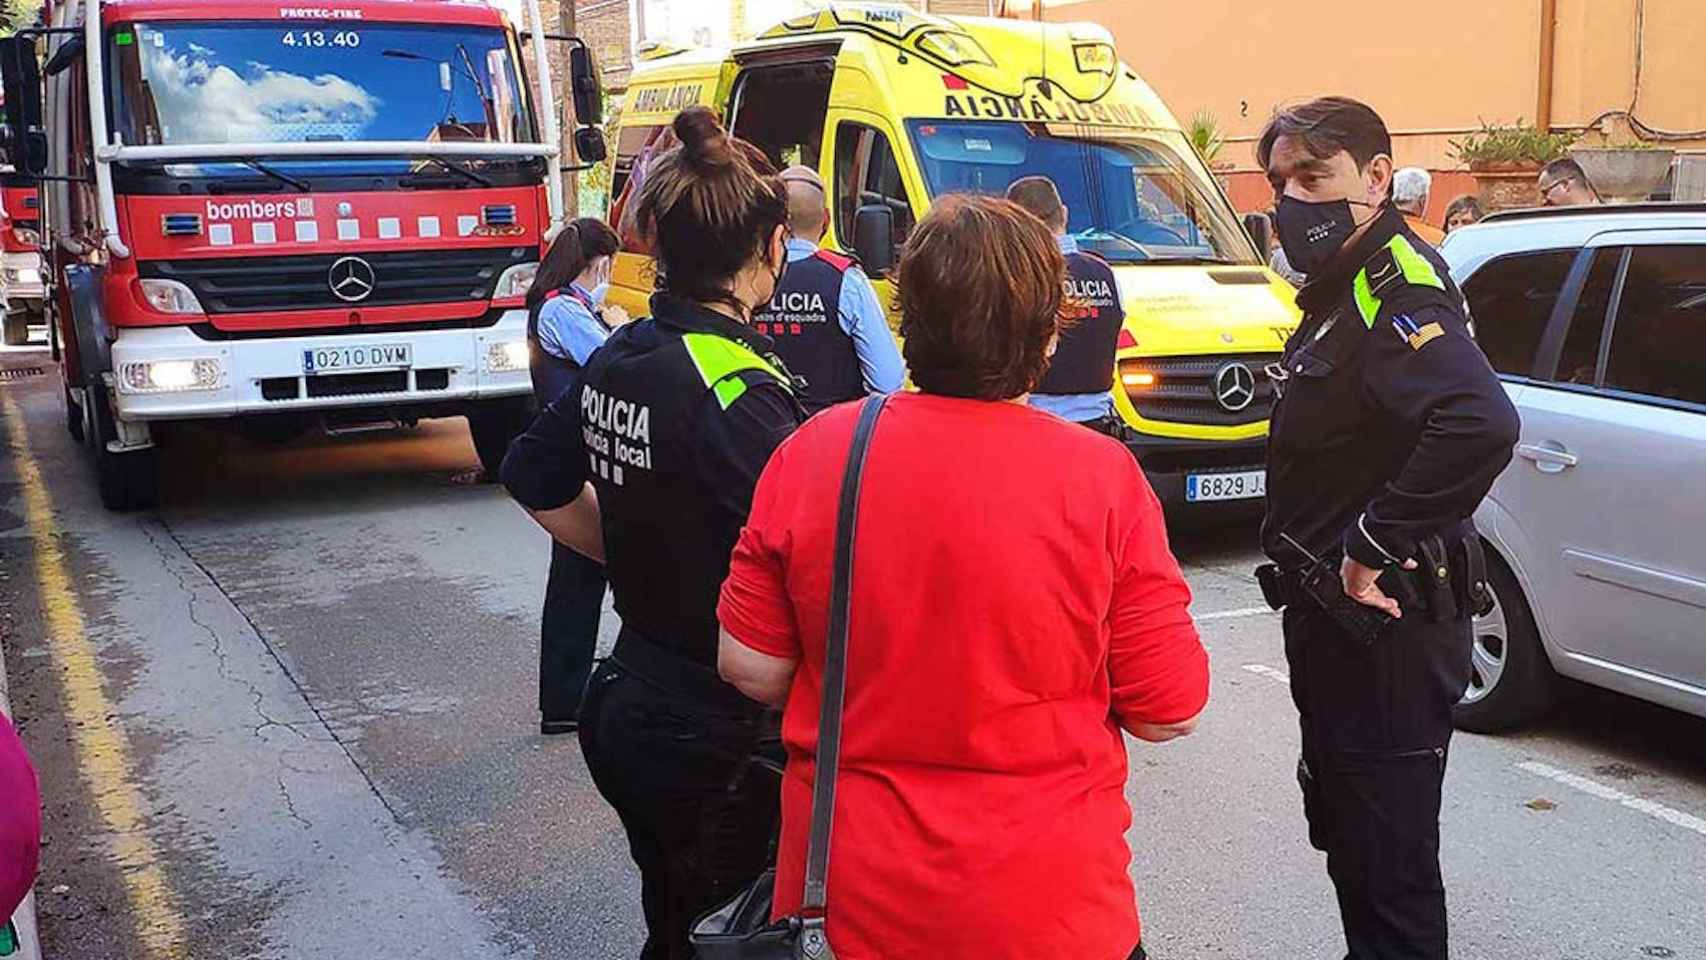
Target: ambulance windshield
195 83
1129 195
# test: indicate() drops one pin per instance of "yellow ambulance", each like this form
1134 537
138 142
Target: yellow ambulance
894 107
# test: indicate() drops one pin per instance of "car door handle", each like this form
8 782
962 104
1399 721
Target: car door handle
1547 457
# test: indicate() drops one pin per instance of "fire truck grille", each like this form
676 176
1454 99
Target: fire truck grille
268 284
1189 390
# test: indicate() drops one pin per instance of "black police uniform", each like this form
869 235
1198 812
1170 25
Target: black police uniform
1083 361
804 319
574 589
676 417
1389 429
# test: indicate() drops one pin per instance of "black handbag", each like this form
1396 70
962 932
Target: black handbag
741 929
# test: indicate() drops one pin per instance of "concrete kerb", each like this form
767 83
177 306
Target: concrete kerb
29 944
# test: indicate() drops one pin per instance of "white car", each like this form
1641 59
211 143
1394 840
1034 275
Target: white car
1595 318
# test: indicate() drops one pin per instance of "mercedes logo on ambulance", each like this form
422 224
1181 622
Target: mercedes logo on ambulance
1234 387
351 279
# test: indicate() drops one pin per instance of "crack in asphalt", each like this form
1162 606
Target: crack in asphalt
219 654
290 804
295 681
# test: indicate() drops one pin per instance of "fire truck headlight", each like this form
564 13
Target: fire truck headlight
25 275
507 356
28 238
170 376
170 296
516 281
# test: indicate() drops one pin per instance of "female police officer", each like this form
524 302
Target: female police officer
565 324
651 466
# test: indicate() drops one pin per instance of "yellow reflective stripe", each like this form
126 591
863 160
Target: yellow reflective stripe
728 390
1367 303
718 357
1416 267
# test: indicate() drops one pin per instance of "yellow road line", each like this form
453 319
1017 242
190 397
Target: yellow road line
102 748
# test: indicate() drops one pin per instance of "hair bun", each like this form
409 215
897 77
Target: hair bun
704 142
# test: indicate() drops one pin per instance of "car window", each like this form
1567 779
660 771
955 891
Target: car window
1511 299
1578 362
1658 340
866 173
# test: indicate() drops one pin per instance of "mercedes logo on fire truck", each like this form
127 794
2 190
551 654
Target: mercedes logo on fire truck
1234 387
351 279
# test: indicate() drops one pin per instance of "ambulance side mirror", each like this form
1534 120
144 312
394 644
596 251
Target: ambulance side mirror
873 238
1260 230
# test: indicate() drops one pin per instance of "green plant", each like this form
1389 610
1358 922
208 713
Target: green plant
1203 130
1630 145
1517 144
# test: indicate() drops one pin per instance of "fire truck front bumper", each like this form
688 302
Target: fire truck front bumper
170 373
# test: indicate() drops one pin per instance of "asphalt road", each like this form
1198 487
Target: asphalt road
291 714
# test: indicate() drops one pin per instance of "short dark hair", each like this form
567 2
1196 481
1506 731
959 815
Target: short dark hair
1041 197
979 291
1468 203
1565 168
1326 126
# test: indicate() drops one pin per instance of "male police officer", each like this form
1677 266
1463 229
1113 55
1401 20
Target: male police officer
825 318
1389 430
1081 373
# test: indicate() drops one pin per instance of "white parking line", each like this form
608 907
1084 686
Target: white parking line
1263 670
1593 787
1235 614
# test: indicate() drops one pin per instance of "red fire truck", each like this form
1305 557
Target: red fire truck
290 216
20 259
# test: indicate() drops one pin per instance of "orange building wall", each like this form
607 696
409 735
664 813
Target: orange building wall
1433 78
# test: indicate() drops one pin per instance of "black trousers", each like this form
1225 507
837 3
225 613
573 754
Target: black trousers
1376 722
568 631
699 816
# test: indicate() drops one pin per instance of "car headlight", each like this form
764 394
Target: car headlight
170 296
507 356
516 281
170 376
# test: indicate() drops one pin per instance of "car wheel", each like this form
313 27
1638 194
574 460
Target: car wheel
1510 679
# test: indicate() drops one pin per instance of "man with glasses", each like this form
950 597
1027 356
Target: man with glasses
1564 184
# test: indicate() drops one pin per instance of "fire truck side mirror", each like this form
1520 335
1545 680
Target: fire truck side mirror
589 145
25 142
585 88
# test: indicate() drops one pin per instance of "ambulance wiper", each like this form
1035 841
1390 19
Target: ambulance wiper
455 167
285 179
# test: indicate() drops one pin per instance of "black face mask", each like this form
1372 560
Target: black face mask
1311 232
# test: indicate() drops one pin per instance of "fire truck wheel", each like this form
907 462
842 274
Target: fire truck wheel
128 481
493 425
17 330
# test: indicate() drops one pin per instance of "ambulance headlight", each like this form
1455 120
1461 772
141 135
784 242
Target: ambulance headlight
516 281
170 376
170 296
507 356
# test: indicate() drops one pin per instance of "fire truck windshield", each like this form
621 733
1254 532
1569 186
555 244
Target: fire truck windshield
198 83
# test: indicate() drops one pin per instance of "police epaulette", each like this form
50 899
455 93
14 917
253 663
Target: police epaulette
1395 265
